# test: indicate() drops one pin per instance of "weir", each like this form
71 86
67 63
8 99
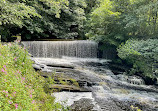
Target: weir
91 74
58 49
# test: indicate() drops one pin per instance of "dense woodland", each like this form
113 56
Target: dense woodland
128 26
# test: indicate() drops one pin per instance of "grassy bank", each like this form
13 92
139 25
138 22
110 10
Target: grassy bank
21 88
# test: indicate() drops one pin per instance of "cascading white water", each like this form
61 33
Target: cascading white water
79 48
84 69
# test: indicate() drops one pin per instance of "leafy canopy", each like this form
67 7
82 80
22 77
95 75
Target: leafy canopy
42 18
115 21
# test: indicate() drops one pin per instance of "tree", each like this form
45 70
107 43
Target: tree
12 15
105 24
42 18
62 19
141 19
114 21
47 26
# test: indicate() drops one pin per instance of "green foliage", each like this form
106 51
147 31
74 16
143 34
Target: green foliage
115 21
104 24
48 25
12 15
142 54
129 48
91 4
21 87
147 48
71 21
141 18
42 18
109 21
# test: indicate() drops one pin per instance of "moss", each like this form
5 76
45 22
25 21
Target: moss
133 108
60 82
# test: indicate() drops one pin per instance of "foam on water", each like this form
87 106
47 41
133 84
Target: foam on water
70 97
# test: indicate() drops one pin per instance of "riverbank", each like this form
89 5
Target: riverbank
21 87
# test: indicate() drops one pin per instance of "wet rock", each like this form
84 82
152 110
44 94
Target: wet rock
82 105
46 70
36 67
83 83
135 80
60 65
133 105
109 105
69 88
112 91
138 87
150 81
55 63
78 75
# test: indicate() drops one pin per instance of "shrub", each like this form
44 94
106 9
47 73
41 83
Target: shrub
142 54
21 87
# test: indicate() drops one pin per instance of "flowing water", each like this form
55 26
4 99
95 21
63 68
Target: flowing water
75 96
109 92
57 49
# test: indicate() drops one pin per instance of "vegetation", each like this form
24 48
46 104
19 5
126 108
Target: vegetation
58 82
109 22
113 22
21 87
41 18
128 26
142 54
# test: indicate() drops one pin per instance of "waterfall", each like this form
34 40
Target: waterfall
57 49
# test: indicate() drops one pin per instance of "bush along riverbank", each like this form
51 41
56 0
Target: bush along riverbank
142 55
21 88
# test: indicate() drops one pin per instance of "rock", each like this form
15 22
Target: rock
60 65
138 87
82 105
36 67
133 105
112 92
135 80
67 88
86 83
39 66
46 70
55 63
109 105
30 54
